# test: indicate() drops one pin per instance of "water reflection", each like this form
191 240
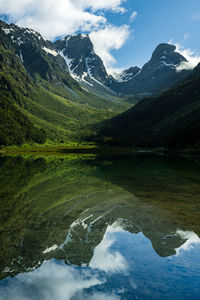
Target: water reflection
123 266
118 229
106 260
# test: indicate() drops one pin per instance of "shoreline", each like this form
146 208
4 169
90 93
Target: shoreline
97 151
65 150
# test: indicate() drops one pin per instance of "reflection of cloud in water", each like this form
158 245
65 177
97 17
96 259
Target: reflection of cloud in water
56 280
103 259
191 239
101 279
51 281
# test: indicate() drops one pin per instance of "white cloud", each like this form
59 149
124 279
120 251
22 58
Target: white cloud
114 5
192 58
133 15
61 17
107 39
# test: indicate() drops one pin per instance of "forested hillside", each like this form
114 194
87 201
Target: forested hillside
170 119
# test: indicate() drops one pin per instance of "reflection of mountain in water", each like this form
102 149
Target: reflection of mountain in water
62 207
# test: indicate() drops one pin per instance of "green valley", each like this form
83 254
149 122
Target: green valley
37 110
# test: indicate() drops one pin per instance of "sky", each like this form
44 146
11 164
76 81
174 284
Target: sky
124 32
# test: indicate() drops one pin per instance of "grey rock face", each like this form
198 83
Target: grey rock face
129 74
82 61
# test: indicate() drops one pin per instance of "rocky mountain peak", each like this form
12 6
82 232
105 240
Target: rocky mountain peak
166 54
163 48
128 74
52 61
159 73
77 45
82 61
20 35
76 54
38 55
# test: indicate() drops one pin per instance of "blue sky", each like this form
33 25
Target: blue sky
157 21
119 40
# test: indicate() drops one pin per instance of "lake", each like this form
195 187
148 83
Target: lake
85 227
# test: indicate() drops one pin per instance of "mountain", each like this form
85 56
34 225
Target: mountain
160 73
82 61
58 91
75 56
84 64
37 84
127 75
36 54
70 61
170 119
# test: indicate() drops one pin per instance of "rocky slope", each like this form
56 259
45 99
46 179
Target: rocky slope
84 64
82 61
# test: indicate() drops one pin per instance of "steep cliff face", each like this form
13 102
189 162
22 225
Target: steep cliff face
82 61
84 65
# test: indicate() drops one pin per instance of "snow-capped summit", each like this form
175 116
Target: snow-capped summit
20 35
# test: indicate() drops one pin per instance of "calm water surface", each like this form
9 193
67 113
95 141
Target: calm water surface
85 228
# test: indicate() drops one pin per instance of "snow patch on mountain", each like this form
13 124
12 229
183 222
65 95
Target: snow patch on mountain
49 51
67 60
21 57
6 30
126 75
167 64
